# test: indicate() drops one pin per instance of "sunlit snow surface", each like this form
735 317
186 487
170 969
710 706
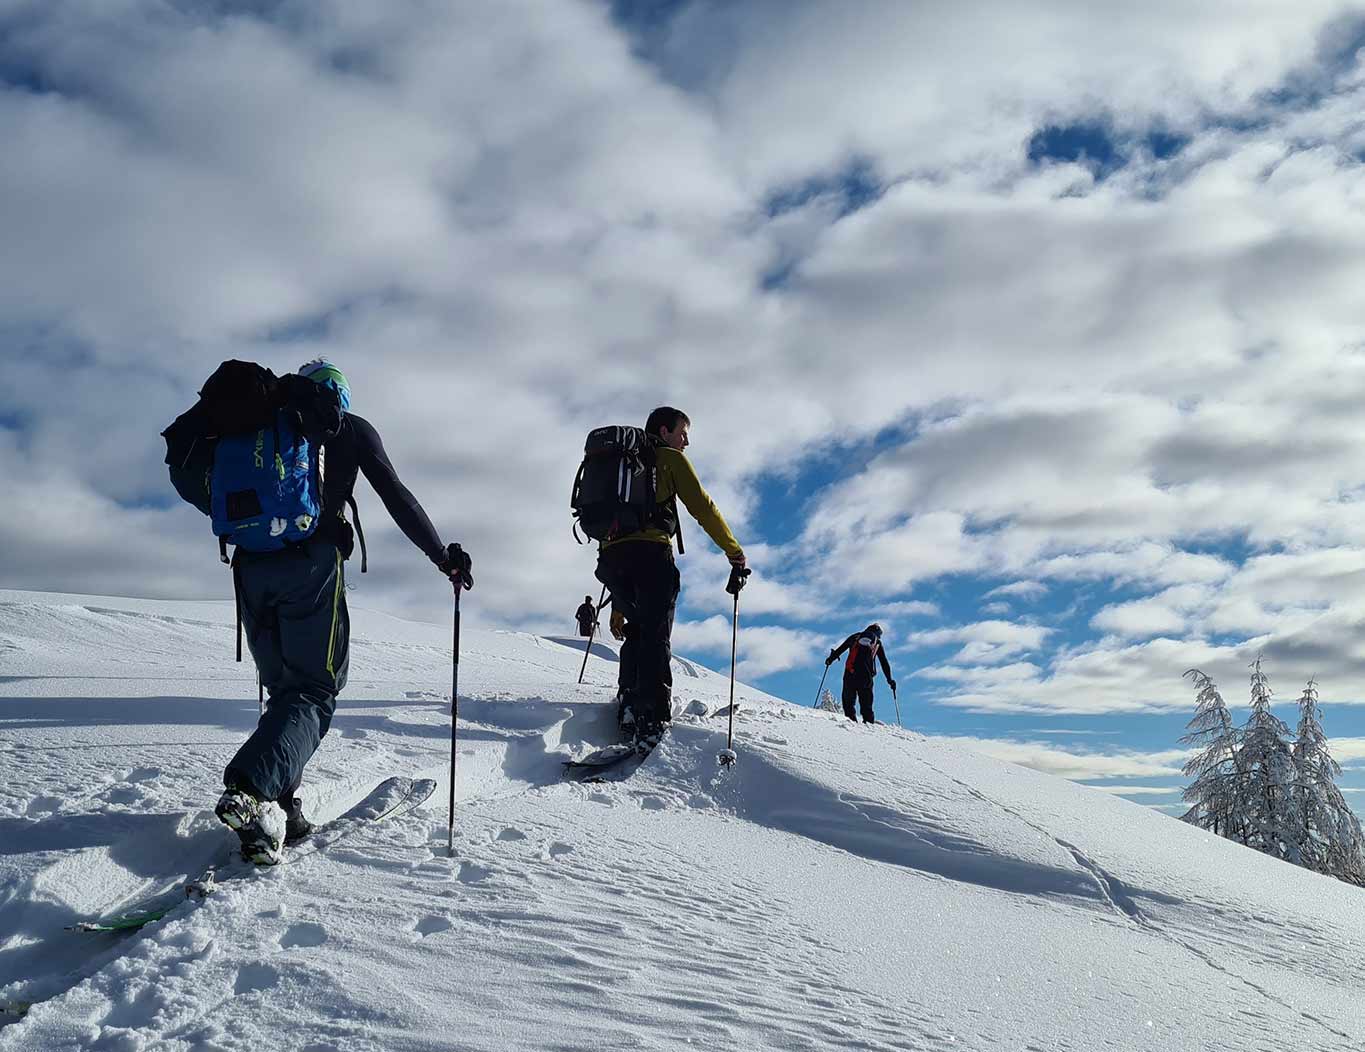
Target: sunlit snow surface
843 887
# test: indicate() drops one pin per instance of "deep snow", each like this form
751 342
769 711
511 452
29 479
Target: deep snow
843 887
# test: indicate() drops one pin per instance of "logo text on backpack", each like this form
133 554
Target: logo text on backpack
259 452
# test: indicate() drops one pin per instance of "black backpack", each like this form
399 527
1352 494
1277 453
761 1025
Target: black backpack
616 488
239 397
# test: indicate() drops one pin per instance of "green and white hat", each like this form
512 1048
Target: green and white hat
321 371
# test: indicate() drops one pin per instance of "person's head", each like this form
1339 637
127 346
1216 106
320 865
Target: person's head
321 371
874 629
587 599
670 425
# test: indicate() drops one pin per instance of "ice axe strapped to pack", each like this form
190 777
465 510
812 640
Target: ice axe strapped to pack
616 490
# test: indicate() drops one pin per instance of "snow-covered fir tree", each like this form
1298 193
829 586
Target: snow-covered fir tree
828 702
1253 785
1213 793
1266 806
1329 835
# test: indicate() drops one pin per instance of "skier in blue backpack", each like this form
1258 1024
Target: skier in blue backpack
249 454
864 649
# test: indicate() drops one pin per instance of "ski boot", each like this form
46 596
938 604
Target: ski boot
296 826
625 716
259 825
648 733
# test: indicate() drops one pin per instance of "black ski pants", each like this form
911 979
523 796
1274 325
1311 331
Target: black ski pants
643 582
294 613
859 691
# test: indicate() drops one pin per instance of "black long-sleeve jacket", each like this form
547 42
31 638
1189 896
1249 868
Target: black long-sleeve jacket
355 449
860 666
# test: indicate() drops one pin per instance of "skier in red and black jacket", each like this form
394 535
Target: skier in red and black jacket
864 650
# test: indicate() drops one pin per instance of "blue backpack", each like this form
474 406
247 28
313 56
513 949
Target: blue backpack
264 488
248 455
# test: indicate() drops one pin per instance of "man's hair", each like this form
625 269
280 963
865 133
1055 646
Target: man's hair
666 417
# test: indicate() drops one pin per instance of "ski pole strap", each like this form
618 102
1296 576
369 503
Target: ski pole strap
359 533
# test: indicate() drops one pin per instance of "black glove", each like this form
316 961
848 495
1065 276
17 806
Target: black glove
738 578
893 685
831 659
457 565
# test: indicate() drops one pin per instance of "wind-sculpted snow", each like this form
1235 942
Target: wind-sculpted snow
842 887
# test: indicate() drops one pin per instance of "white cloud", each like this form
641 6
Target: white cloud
1079 766
1024 590
921 88
508 228
762 649
1120 789
1166 614
1102 678
985 642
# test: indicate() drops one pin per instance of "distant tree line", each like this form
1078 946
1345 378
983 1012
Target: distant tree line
1259 786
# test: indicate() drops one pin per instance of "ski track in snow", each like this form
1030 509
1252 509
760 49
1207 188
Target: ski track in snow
842 888
1120 899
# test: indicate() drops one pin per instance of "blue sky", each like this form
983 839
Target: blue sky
1031 332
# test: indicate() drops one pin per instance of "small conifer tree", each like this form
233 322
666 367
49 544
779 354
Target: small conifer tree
1212 794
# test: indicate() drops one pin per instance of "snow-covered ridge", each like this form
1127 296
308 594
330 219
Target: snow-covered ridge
842 887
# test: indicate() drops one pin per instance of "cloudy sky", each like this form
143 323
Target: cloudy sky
1034 331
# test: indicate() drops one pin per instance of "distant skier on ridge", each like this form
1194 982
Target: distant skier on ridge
247 454
586 615
864 649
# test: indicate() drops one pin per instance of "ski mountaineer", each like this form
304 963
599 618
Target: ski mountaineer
639 571
587 616
292 603
864 649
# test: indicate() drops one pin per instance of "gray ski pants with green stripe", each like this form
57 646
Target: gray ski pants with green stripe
294 615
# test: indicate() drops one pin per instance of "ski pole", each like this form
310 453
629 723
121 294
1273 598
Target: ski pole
593 631
260 691
820 689
898 708
736 585
461 581
454 719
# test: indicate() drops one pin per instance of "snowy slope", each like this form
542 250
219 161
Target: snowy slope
842 887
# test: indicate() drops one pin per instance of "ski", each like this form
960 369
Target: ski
615 763
607 756
393 796
618 761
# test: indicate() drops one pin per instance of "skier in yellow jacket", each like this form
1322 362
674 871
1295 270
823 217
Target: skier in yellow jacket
639 571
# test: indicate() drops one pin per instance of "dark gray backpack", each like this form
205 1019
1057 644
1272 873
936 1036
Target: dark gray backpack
615 491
